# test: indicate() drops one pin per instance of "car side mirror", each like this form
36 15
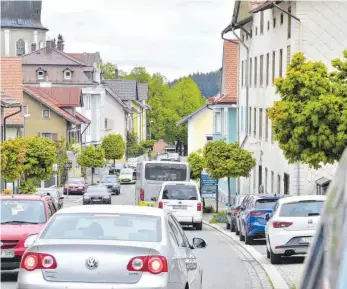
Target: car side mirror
199 243
61 198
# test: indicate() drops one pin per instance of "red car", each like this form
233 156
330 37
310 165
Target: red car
22 218
75 186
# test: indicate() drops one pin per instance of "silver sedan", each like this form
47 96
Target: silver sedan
106 246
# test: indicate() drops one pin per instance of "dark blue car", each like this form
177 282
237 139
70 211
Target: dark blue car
253 216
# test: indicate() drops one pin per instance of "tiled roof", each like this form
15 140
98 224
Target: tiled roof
125 89
12 85
82 117
64 96
88 58
115 96
218 99
142 89
51 104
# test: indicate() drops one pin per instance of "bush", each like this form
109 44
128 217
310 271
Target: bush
220 217
209 209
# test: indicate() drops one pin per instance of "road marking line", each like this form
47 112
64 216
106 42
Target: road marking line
275 276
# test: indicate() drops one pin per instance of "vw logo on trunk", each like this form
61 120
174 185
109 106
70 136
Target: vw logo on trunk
310 221
92 263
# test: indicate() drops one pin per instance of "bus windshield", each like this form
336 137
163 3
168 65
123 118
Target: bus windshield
165 172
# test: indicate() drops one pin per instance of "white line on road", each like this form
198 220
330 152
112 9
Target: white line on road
276 278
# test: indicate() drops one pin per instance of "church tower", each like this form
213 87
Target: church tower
21 29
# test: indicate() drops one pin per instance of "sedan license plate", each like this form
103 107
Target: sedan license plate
305 240
7 254
180 207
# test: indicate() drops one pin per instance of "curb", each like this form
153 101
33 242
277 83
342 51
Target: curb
276 279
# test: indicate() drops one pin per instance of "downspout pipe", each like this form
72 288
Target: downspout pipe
83 133
6 117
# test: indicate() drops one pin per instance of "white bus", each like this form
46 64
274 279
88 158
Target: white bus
150 175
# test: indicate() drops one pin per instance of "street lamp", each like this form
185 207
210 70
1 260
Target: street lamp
26 116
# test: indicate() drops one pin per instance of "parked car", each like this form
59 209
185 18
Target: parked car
233 210
54 193
291 226
238 214
183 200
112 247
75 186
115 169
326 262
112 184
97 195
253 217
22 218
132 163
127 176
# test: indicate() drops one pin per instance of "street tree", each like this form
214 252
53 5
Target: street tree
92 157
197 163
12 158
108 70
310 119
61 150
114 147
227 160
40 156
139 74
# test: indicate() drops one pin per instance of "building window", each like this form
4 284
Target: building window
25 109
67 74
217 122
20 47
255 122
278 184
273 66
40 74
87 101
261 70
250 72
242 73
250 121
266 126
289 23
282 18
261 22
242 120
265 181
280 68
274 22
267 68
268 25
256 31
286 183
46 134
272 182
255 71
46 113
288 54
105 123
260 123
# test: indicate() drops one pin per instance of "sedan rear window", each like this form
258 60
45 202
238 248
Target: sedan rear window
180 192
121 227
75 181
301 209
265 204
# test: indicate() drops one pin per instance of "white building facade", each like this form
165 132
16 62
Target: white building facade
272 35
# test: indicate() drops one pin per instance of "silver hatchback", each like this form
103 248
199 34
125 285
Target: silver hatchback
111 247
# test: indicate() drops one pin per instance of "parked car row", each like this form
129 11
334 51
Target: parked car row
287 223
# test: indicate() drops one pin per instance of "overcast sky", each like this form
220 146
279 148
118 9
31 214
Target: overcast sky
173 37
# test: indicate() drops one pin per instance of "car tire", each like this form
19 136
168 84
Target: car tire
232 227
275 258
228 225
198 226
248 240
241 237
267 253
237 232
118 193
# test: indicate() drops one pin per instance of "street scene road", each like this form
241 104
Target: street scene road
223 263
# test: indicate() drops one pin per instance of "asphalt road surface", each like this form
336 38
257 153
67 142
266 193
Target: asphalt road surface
224 265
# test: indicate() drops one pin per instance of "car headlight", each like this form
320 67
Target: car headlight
86 197
30 240
106 197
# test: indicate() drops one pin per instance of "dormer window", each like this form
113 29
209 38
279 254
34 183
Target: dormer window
67 74
40 74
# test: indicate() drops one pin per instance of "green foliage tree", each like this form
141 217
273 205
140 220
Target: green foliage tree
40 156
147 144
114 147
197 163
12 158
60 146
92 157
139 74
310 120
109 70
227 160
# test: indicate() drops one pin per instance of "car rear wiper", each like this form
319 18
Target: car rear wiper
313 214
19 222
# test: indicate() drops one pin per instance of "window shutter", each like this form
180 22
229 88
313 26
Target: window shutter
54 136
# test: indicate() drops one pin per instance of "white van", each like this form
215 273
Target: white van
183 200
150 175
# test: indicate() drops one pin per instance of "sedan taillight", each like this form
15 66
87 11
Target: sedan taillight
142 195
160 204
151 264
33 261
199 207
282 224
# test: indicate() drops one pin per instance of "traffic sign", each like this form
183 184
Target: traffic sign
208 186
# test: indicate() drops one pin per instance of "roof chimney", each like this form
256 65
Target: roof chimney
48 45
116 73
33 47
60 43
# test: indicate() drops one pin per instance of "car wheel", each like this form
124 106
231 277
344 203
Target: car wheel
198 226
237 232
241 237
228 225
248 240
267 253
275 258
118 193
232 227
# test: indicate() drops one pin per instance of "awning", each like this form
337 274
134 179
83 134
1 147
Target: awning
323 181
